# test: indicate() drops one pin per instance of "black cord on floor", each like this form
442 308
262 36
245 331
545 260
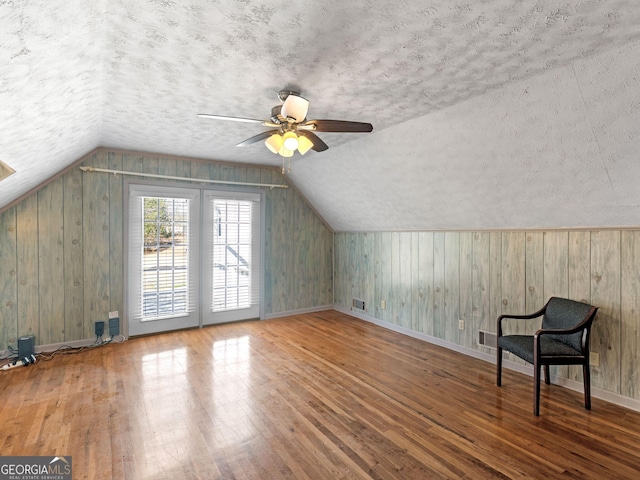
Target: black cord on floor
64 349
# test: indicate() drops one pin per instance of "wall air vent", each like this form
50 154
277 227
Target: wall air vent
488 339
357 305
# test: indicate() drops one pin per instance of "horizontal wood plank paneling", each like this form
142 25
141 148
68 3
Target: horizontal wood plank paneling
95 222
51 264
73 256
116 232
8 279
605 292
475 276
534 273
513 281
425 282
62 248
482 319
451 310
466 289
438 285
27 260
630 314
404 292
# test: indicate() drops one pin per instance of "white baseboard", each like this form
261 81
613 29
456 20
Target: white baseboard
606 395
301 311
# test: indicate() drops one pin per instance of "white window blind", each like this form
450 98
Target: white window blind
233 247
162 278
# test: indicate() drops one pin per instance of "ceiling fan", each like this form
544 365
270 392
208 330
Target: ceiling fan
290 129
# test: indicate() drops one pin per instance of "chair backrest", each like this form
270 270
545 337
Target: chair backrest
565 313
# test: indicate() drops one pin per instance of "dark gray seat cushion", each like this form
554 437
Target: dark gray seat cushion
522 346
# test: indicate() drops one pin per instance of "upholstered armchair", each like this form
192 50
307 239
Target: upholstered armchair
562 340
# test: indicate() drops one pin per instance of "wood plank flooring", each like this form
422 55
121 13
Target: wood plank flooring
316 396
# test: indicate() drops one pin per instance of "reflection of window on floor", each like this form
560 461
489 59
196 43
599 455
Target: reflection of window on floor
231 255
231 384
164 257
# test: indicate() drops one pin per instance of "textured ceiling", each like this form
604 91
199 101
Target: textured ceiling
133 74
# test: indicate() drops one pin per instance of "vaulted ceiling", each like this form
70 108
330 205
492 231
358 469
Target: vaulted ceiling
486 114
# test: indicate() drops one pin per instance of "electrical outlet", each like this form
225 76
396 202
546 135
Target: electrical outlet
460 324
383 305
594 359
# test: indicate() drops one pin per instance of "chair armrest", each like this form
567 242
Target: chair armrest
565 331
529 316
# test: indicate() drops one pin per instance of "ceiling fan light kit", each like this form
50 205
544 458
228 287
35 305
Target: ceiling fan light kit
274 142
290 140
291 129
295 108
285 152
304 144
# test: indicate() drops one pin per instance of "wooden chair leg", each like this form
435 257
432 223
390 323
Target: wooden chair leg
536 389
586 375
499 368
547 377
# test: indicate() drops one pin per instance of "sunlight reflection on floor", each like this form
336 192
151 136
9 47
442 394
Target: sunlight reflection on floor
171 391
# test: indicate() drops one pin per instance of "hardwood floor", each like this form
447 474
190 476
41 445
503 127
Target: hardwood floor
317 396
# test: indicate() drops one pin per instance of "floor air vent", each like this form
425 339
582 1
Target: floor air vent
488 339
357 304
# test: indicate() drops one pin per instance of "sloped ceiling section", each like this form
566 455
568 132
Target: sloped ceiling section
133 74
51 80
561 149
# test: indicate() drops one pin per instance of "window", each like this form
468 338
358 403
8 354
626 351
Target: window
172 281
162 258
232 242
231 255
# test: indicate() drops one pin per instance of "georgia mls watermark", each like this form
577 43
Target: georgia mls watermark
35 468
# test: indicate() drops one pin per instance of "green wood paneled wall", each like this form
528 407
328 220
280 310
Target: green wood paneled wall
430 280
62 248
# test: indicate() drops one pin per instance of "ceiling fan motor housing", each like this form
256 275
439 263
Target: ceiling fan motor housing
283 94
276 116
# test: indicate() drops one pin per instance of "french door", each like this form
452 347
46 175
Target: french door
232 255
193 257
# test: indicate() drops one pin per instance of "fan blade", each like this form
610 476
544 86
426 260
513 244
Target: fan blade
339 126
257 138
318 144
233 119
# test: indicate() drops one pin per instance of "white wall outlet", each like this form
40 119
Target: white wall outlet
383 304
594 359
460 324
